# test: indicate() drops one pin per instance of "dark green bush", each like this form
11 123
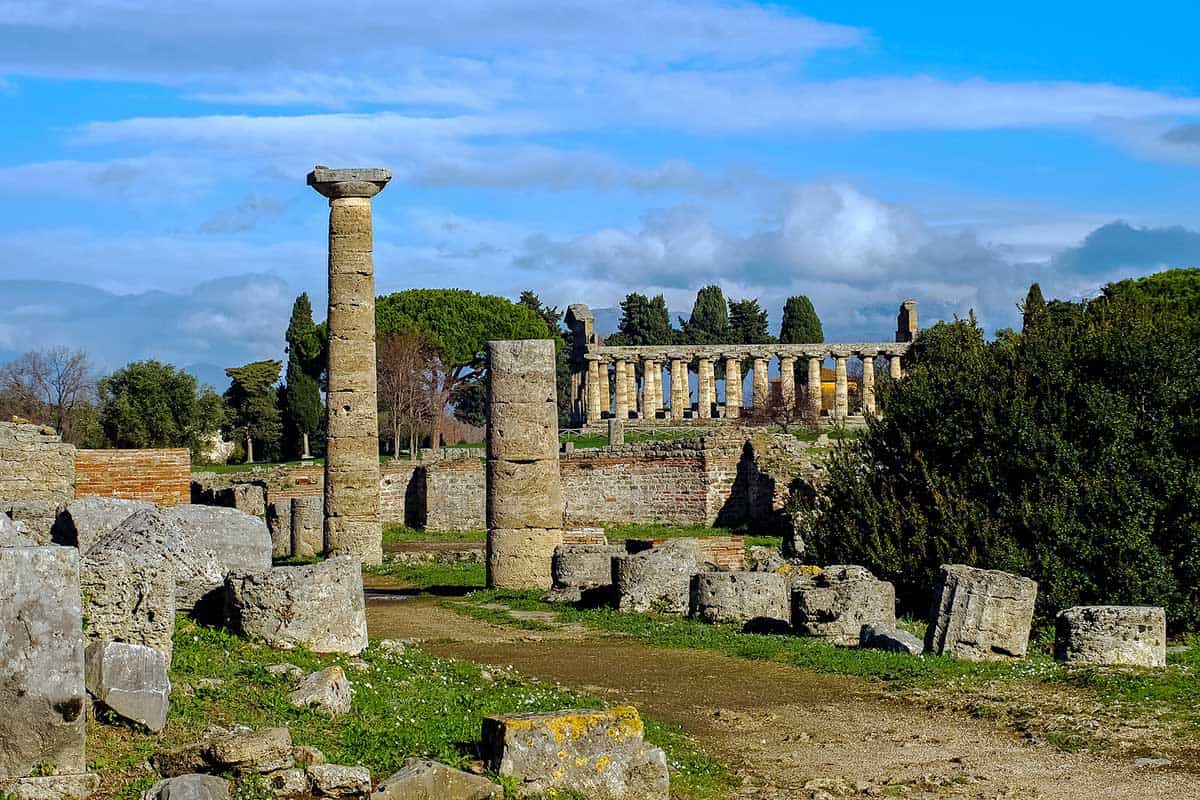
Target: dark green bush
1069 453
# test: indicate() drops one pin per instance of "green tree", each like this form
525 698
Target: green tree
709 322
150 404
748 322
459 323
471 408
1033 310
800 324
253 397
302 394
644 321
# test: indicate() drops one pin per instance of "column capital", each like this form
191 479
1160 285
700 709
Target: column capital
354 182
840 353
868 352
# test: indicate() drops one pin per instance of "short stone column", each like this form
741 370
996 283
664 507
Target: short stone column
841 388
894 368
352 522
620 389
704 388
787 382
815 401
868 381
524 491
593 389
733 387
681 394
759 393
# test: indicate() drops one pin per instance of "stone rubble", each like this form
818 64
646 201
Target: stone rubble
891 641
248 752
836 603
84 521
421 779
327 690
741 598
1131 636
659 579
334 780
131 681
980 614
189 787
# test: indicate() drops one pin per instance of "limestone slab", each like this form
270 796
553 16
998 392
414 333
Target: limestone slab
740 598
980 614
240 541
83 521
127 598
1134 636
422 779
835 604
131 681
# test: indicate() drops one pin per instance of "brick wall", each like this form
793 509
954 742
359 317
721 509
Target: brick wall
659 482
37 475
159 476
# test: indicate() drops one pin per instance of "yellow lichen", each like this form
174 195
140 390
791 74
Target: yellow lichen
602 763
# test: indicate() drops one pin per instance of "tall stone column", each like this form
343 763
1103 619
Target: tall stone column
704 387
681 394
815 400
761 387
894 368
620 390
868 381
733 387
593 389
352 523
787 382
631 385
524 489
651 388
841 388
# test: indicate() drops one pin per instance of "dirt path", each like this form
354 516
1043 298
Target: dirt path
789 733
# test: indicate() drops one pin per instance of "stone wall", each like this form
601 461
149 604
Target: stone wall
454 495
37 475
162 477
656 482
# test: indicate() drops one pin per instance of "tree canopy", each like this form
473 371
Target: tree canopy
748 322
253 399
302 394
709 322
800 324
150 404
644 321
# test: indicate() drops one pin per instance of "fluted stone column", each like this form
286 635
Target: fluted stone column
705 389
894 366
733 387
631 386
620 390
815 401
352 523
651 388
593 389
681 395
524 489
841 388
787 382
761 387
868 381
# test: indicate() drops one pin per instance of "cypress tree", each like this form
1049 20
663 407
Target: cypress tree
302 395
1034 311
748 322
709 323
800 325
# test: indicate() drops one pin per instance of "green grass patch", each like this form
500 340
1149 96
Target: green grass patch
465 575
398 534
411 704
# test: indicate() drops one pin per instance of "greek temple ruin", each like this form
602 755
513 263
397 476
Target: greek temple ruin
604 383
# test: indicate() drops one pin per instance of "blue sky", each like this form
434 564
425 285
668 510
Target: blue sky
154 156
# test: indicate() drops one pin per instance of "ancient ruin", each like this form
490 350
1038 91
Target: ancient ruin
352 449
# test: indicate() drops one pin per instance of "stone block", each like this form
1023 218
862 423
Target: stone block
521 371
523 431
308 526
12 533
520 559
327 690
524 494
658 579
51 787
318 606
131 681
127 598
980 614
250 752
421 779
584 566
240 541
835 604
1131 636
890 641
288 782
42 694
279 524
740 598
189 787
86 520
335 780
598 754
149 535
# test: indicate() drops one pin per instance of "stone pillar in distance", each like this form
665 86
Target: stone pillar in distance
620 389
733 387
704 388
631 386
681 394
352 523
593 389
868 381
841 388
787 384
761 387
815 400
894 368
524 489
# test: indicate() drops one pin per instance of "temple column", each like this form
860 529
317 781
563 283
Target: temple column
704 388
632 385
733 387
620 389
680 393
815 401
894 366
646 400
593 389
352 522
787 384
652 374
868 381
841 388
761 387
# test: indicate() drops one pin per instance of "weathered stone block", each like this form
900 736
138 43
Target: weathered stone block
520 559
240 541
598 754
42 695
891 641
327 690
421 779
51 787
521 371
836 603
980 614
334 780
584 566
308 526
12 534
1134 636
131 680
252 752
523 431
659 579
189 787
279 523
84 521
524 494
287 782
740 598
127 598
319 606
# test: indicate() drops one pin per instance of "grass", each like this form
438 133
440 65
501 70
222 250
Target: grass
411 704
632 436
432 577
396 534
